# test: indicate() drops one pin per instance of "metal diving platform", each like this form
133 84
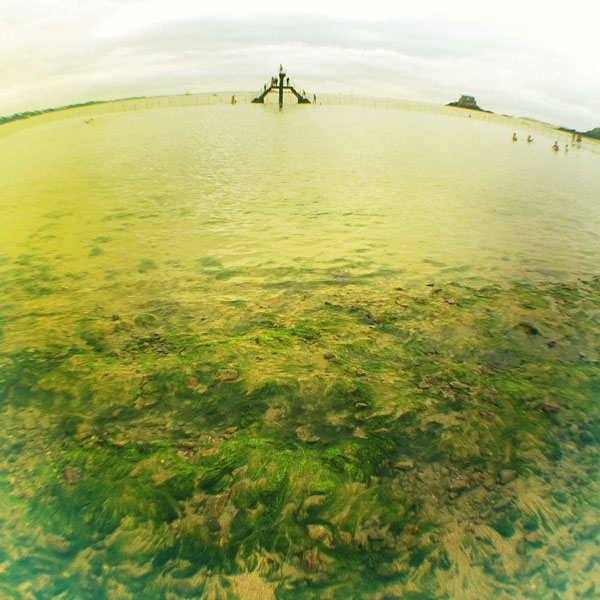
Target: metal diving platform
279 84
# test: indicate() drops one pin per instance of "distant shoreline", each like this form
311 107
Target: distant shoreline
224 97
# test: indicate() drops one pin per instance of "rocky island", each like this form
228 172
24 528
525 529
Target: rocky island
468 102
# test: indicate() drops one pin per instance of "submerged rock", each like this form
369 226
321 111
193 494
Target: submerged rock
144 320
213 525
311 560
224 375
458 385
404 465
507 475
346 537
320 533
304 435
502 503
535 538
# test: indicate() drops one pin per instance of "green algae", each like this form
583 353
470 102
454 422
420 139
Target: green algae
330 476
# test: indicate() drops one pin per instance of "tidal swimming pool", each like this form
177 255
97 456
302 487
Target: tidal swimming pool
328 352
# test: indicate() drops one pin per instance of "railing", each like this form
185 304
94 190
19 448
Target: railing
521 125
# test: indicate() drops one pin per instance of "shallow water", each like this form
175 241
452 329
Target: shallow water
307 354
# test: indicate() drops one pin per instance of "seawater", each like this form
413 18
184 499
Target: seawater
324 352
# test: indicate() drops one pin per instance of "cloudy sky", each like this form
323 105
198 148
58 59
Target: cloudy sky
526 58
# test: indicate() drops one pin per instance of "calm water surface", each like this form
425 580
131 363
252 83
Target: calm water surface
232 338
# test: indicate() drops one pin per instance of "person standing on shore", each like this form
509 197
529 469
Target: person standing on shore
514 137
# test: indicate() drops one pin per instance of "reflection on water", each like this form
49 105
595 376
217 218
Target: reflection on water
312 354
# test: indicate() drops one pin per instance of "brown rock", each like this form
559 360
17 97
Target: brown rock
502 503
72 475
329 356
320 533
213 525
507 475
375 535
304 435
311 560
346 537
457 385
404 465
535 538
224 375
459 486
551 407
58 544
534 564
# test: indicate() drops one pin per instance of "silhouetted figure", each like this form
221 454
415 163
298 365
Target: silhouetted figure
233 101
514 137
288 82
314 98
555 146
529 139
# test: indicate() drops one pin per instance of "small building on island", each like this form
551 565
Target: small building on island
468 102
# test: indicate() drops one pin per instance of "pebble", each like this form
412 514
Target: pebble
507 475
375 535
535 538
72 475
144 320
320 533
214 525
360 433
529 329
346 537
458 385
551 407
404 465
424 385
224 375
488 415
304 435
531 566
314 500
458 486
387 570
329 355
502 503
311 559
58 544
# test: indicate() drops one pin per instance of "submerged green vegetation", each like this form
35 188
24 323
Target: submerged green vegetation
329 442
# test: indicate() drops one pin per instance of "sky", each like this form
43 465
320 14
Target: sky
533 58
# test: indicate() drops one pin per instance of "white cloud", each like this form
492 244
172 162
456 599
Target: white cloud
528 58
